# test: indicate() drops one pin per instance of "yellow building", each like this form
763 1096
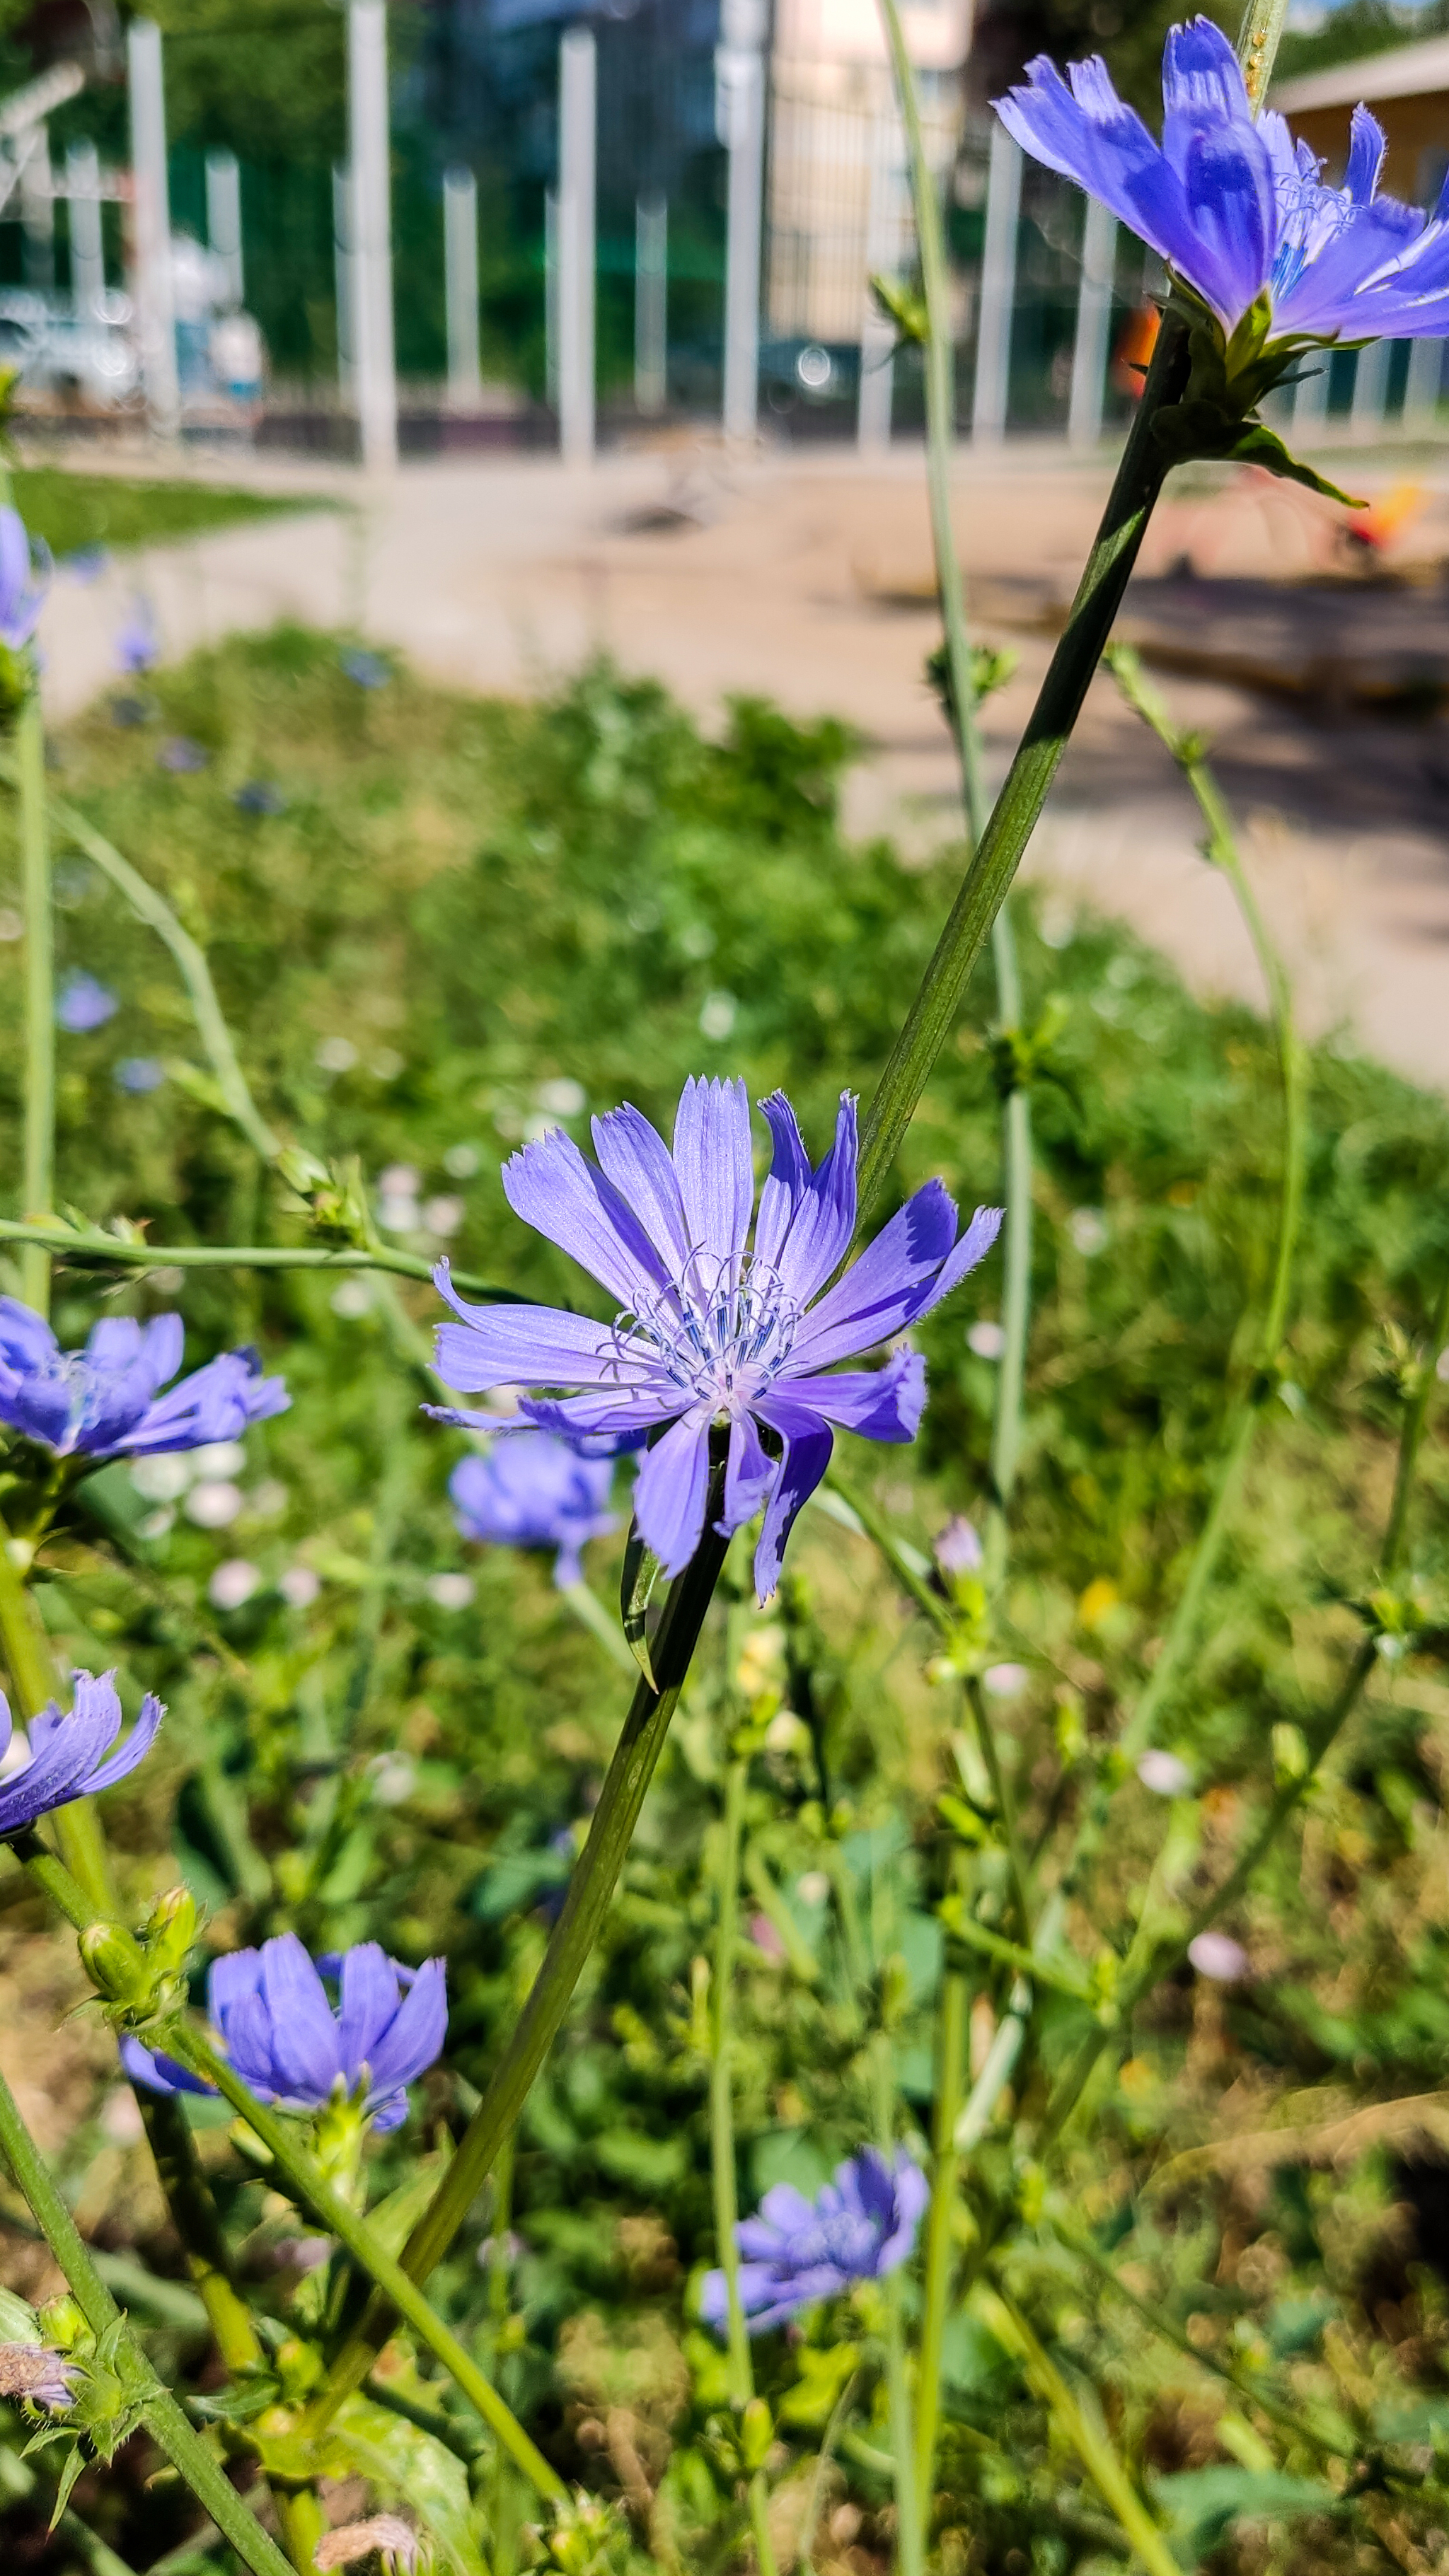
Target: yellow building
1408 90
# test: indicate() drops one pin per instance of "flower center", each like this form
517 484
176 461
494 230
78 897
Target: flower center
720 1332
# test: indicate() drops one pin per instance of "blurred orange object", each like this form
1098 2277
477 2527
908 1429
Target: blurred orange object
1381 522
1134 348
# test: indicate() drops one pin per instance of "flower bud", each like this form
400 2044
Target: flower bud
114 1964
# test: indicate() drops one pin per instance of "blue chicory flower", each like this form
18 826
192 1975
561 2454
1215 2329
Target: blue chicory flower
860 2226
22 594
259 796
275 2025
83 1004
138 646
183 757
367 670
104 1401
713 1331
533 1490
1233 205
138 1074
68 1751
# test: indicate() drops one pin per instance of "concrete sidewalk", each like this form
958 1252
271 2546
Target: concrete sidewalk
806 578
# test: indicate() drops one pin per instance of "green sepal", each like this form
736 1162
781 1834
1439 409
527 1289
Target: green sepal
637 1585
1259 445
1227 379
906 307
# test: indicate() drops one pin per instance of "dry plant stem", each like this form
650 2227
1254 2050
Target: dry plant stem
35 1682
590 1892
38 1183
162 2415
1095 2452
722 2135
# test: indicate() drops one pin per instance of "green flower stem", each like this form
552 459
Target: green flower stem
337 2215
722 2134
162 2415
1412 1432
1258 40
198 2224
1009 2326
945 2171
1005 1805
910 2538
88 1248
998 2070
150 907
1016 1240
35 1681
590 1891
38 1183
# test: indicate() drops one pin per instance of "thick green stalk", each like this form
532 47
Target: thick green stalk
87 1248
162 2415
1258 41
590 1892
721 2098
910 2537
945 2170
38 1182
35 1681
1095 2452
722 2134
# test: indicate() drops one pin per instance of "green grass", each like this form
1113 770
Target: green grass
473 918
73 512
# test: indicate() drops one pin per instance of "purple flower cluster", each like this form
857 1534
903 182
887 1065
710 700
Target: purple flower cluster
84 1004
275 2024
68 1751
532 1490
1233 205
104 1402
861 2225
716 1329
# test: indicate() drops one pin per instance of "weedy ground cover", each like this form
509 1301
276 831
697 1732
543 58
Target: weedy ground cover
438 926
73 513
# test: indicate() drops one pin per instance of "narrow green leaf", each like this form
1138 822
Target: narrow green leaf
638 1582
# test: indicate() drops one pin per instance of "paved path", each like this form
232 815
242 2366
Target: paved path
807 578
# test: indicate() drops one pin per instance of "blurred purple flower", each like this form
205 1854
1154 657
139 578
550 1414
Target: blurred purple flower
1219 1956
85 564
22 595
1233 205
369 670
138 646
182 756
37 2376
258 796
861 2225
66 1751
274 2023
1166 1774
103 1401
83 1004
958 1548
712 1333
533 1490
138 1073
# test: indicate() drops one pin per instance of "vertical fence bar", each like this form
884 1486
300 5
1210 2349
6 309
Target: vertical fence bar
1310 394
37 208
998 288
83 217
651 305
882 257
578 83
550 298
460 287
369 161
1421 390
1370 389
223 221
342 279
151 238
740 117
1094 325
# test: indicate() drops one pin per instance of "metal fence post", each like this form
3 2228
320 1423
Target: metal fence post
998 288
369 163
83 215
37 207
1310 394
740 119
882 257
1094 324
651 304
1370 389
578 76
1426 375
342 277
154 297
460 286
223 220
